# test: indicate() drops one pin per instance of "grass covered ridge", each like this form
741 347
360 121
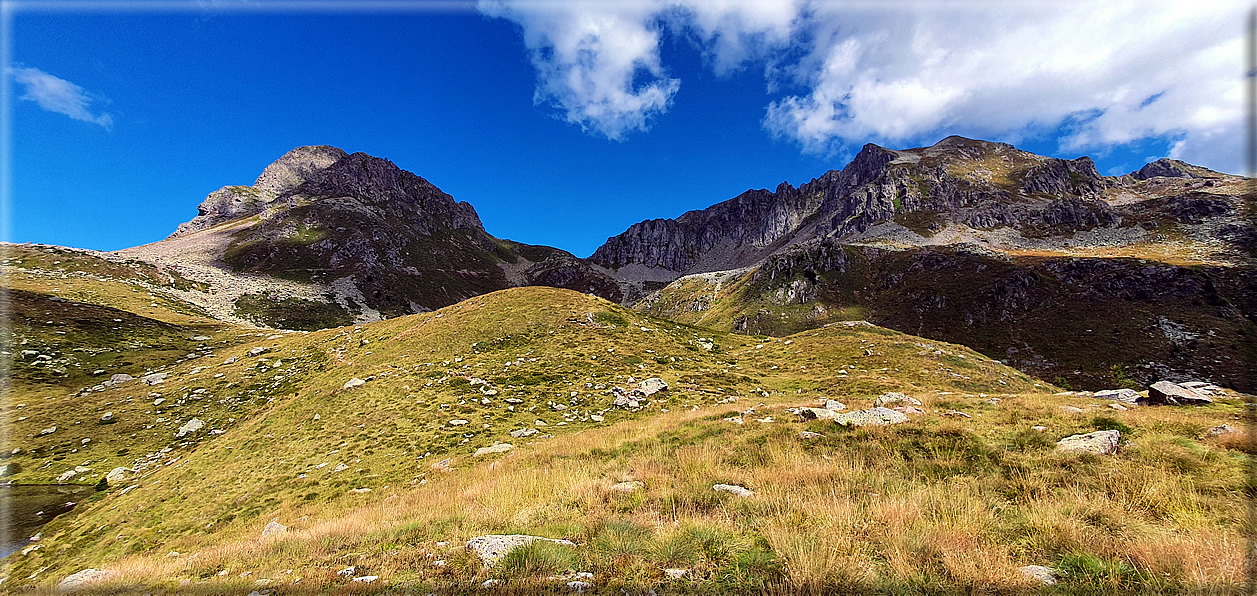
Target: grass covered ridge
943 502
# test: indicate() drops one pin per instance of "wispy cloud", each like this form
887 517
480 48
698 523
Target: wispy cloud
56 94
1110 71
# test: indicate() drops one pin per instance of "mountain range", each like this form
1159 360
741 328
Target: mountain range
1040 262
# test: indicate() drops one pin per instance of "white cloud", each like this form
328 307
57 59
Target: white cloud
1109 71
59 95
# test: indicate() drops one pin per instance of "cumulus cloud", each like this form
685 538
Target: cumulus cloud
55 94
1107 72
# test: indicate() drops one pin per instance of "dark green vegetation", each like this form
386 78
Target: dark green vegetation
291 313
1092 323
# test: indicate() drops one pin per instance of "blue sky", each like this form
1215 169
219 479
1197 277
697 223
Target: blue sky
564 123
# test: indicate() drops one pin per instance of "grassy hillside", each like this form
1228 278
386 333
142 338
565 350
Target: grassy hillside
1082 323
382 475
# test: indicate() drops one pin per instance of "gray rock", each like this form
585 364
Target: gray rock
872 417
596 418
580 586
1165 392
894 399
1224 429
120 378
48 431
652 386
116 475
1039 573
808 435
493 548
354 382
1101 442
1126 396
258 351
84 578
189 427
106 417
676 573
626 400
626 487
816 413
735 490
496 448
524 432
154 378
274 528
831 404
459 422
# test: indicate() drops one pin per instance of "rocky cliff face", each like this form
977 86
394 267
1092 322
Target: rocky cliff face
355 237
974 183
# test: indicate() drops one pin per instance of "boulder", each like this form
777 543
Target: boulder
735 490
626 487
189 427
626 400
1165 392
832 404
116 475
354 382
1044 575
894 399
872 417
816 413
1224 429
524 432
82 579
273 528
258 351
652 386
493 548
496 448
120 378
154 378
1126 396
1100 442
106 417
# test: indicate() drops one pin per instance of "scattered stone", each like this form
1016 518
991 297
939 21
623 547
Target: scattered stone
524 432
116 475
154 378
1039 428
580 586
493 548
442 466
513 400
1071 410
496 448
1126 396
458 422
626 487
957 413
1118 407
910 410
894 398
652 386
559 407
84 578
626 400
488 583
273 528
831 404
1165 392
354 382
872 417
106 417
159 401
1101 442
676 573
258 351
366 579
815 413
808 435
340 468
1039 573
1224 429
347 572
231 360
48 431
738 491
596 418
189 427
120 378
66 476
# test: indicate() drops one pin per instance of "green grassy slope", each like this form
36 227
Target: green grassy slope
943 502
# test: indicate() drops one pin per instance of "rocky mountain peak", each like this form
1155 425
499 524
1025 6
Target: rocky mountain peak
1167 168
296 167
